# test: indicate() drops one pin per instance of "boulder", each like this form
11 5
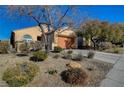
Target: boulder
73 65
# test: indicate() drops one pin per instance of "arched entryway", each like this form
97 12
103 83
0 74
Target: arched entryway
27 38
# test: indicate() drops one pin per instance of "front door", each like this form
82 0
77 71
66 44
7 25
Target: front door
79 42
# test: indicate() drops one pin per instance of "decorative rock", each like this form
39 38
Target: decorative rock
73 65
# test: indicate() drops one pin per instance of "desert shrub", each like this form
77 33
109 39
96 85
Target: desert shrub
90 54
77 57
20 74
57 49
12 50
74 76
4 47
90 69
52 71
69 51
3 50
35 46
116 50
56 56
105 45
21 54
66 56
39 56
24 47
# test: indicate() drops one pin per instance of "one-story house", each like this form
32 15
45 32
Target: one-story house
64 38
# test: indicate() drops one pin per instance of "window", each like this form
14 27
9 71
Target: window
39 38
27 38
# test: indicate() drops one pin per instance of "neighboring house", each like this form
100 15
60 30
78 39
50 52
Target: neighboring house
64 38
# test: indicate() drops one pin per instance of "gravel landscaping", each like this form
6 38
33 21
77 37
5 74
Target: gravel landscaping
95 69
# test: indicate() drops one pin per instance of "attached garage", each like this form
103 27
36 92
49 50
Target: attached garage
66 42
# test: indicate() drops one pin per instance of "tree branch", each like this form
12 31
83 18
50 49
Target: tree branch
34 18
63 16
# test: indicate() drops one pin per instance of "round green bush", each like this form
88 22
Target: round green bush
77 57
66 55
20 74
90 54
39 56
57 49
69 51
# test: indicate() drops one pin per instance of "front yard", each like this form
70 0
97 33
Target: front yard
95 69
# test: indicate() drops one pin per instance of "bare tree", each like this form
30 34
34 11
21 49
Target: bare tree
53 17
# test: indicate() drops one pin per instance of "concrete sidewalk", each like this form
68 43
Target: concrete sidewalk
115 78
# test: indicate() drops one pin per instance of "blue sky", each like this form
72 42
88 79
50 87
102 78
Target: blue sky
112 14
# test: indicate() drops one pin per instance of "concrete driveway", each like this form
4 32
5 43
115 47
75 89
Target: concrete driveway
107 57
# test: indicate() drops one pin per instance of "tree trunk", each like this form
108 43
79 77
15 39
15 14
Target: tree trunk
45 38
48 39
94 44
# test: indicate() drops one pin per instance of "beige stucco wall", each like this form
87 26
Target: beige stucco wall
32 31
64 34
